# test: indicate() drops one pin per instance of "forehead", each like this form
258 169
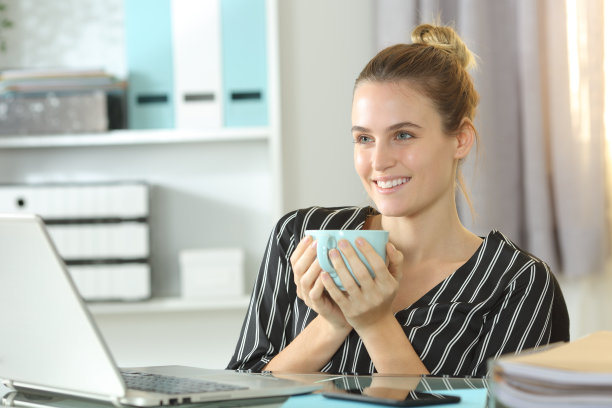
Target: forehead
382 102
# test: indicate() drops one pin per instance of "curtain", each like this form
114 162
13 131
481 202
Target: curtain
539 176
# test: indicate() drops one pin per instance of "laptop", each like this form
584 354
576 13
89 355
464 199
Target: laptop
50 343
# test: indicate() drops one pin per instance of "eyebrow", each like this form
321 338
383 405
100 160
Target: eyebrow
396 126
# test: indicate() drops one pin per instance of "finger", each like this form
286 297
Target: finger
342 271
376 262
333 290
360 270
316 292
395 259
301 264
307 280
298 269
300 248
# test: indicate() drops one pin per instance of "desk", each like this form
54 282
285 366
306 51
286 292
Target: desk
474 392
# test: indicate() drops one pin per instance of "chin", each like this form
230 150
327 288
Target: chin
392 210
396 214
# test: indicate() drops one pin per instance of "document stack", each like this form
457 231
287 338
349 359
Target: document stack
51 101
574 374
100 230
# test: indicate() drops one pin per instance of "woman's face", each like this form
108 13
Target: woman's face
406 162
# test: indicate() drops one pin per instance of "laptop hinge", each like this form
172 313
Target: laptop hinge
115 401
8 384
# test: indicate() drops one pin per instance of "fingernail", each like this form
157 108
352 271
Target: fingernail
360 241
314 244
307 238
343 244
333 253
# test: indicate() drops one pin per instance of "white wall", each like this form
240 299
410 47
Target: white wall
323 47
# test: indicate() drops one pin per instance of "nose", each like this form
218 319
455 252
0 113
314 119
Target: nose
383 157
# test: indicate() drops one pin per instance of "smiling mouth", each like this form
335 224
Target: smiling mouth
392 183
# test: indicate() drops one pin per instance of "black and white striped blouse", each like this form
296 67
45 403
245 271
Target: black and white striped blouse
500 301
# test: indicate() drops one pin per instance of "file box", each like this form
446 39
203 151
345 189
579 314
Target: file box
101 230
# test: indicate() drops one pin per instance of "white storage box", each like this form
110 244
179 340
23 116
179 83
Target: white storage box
208 273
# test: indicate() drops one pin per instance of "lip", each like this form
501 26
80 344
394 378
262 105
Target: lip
389 190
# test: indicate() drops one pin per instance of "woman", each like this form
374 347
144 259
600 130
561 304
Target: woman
446 300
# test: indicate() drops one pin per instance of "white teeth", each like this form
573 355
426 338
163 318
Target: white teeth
391 183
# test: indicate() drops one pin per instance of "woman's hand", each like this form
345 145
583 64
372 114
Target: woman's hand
367 304
309 286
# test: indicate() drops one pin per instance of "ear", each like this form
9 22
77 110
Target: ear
465 137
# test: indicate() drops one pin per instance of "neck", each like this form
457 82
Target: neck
435 234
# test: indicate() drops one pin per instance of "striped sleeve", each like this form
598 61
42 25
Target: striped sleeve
521 317
265 329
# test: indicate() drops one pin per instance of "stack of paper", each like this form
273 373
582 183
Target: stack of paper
576 374
57 79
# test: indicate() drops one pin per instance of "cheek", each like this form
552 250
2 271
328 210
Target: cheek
362 162
437 166
415 161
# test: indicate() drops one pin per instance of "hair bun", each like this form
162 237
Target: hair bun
444 38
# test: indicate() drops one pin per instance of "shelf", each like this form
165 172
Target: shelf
168 305
135 137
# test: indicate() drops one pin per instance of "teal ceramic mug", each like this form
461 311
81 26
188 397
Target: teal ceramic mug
328 239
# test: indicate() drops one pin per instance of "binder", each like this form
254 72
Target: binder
112 282
197 64
117 241
245 67
148 43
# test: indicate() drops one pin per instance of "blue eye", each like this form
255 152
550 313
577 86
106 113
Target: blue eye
362 139
404 136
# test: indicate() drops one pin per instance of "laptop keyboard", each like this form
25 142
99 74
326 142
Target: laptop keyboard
166 384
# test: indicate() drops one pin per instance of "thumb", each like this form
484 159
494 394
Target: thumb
395 259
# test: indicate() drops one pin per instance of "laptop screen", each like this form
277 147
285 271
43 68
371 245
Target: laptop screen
49 341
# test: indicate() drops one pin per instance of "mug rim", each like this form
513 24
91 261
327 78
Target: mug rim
344 230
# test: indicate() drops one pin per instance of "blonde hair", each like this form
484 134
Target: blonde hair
436 63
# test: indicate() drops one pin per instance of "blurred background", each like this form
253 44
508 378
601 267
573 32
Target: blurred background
219 177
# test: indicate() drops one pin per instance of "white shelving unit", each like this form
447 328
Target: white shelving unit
131 137
233 173
168 305
210 188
